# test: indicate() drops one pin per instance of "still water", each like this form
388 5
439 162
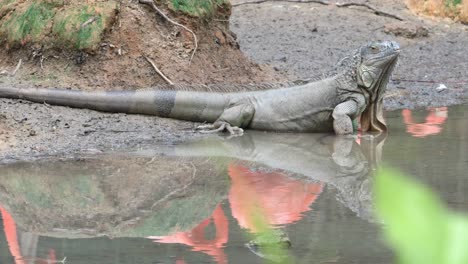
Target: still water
220 200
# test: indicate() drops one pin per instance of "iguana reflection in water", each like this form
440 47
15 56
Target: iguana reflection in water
335 160
262 189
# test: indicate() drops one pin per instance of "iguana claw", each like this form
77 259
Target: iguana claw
220 127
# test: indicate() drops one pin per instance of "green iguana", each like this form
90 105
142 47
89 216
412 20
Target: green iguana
327 105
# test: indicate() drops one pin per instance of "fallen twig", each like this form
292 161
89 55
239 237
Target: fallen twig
17 67
42 62
431 81
375 10
290 1
155 8
87 22
158 71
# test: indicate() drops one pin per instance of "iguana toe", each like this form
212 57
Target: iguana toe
220 127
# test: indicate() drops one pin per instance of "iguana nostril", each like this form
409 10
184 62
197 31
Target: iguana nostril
394 45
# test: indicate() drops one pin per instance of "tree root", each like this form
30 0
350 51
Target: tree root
157 10
17 67
375 10
289 1
159 72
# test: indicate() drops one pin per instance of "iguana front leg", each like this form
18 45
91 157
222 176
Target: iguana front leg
237 115
343 116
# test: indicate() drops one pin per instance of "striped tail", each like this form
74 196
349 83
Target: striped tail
183 105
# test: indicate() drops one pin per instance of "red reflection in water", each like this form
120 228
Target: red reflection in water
280 199
434 119
196 238
9 227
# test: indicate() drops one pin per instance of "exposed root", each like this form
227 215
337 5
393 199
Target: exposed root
159 72
375 10
157 10
290 1
17 67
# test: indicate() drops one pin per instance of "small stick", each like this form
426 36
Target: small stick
376 11
42 60
431 81
195 41
17 67
289 1
87 22
158 71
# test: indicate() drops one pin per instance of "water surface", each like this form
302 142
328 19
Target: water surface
213 200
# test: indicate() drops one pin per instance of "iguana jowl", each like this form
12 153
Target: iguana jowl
322 106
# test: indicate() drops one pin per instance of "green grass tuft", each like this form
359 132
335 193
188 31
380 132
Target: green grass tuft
452 3
30 24
80 28
199 8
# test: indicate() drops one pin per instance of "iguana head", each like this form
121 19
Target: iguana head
378 59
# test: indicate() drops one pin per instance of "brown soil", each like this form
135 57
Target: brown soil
119 62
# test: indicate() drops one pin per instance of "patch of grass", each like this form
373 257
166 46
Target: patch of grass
77 25
198 8
455 9
452 3
28 25
81 27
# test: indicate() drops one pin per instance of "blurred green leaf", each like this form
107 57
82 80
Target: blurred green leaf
416 224
457 240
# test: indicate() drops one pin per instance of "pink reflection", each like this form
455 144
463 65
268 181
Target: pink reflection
280 199
434 119
196 238
9 228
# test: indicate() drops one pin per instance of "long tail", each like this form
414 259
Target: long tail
191 106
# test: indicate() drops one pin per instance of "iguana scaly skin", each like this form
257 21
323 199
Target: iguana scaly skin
322 106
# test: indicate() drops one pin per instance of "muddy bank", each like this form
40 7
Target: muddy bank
30 131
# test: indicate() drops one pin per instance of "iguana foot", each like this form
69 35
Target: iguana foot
220 127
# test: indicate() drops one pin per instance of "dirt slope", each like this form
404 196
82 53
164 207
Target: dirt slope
118 60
